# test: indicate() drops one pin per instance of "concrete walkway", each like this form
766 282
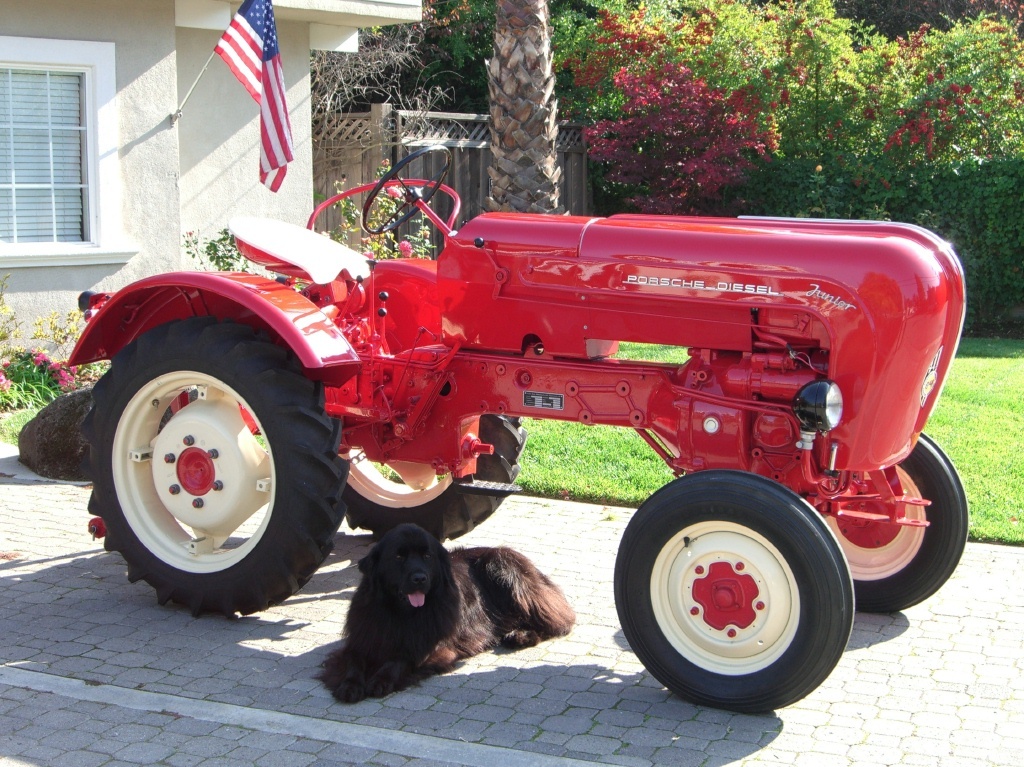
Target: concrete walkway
94 673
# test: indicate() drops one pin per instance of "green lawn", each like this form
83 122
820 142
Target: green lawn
12 423
979 422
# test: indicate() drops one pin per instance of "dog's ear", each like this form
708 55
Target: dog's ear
368 564
444 562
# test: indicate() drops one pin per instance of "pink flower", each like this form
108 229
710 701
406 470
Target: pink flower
40 359
5 383
405 248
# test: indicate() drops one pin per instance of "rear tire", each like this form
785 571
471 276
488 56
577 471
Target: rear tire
897 567
215 468
378 503
733 592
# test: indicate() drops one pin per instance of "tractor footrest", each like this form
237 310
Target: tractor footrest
480 487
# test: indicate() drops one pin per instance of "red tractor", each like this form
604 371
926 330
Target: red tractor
243 417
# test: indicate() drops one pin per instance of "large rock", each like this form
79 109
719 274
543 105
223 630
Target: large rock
51 444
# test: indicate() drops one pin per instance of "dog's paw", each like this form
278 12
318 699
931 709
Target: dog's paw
390 677
349 692
520 638
379 686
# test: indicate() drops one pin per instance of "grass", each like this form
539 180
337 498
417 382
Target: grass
979 423
11 424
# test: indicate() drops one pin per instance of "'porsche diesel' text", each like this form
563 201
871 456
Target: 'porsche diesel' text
716 287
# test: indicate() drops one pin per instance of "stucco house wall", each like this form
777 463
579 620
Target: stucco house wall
169 176
147 149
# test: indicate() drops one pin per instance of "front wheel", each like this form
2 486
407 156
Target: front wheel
897 566
214 466
732 591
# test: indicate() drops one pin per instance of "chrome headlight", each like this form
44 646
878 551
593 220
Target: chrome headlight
819 406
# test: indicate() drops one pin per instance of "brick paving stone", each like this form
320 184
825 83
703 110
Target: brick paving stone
69 740
79 759
387 760
941 684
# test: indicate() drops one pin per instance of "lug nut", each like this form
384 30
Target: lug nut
218 485
214 453
174 489
170 458
197 503
189 440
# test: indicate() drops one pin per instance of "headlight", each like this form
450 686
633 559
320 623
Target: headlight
819 406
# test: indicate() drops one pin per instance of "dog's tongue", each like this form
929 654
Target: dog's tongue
417 598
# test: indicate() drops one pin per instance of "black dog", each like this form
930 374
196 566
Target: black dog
420 610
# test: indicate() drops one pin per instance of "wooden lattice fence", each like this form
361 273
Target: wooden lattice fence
363 140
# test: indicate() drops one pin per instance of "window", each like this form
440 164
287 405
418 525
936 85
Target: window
60 200
42 131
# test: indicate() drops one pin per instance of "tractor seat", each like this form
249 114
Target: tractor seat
294 251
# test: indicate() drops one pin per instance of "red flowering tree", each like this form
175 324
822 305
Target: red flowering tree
678 142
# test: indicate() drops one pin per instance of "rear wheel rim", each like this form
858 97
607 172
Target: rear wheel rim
725 598
368 480
191 519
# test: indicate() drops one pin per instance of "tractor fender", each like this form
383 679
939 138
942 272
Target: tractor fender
285 315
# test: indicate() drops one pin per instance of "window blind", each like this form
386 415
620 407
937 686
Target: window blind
43 194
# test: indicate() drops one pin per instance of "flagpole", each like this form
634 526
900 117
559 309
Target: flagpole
177 115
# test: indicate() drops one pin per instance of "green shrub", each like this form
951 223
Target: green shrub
218 253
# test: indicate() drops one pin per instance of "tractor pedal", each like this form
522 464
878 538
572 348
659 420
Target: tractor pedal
481 487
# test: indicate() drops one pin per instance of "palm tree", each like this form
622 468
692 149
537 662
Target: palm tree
524 172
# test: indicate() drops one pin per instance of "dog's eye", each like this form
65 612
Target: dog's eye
400 557
426 555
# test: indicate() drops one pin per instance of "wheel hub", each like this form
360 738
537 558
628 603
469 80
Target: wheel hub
210 473
196 471
878 549
867 534
726 596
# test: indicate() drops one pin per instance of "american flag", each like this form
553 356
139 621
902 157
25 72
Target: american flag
249 48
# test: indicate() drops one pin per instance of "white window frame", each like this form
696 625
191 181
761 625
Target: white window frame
95 60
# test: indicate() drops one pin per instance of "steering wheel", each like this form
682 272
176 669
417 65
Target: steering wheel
410 197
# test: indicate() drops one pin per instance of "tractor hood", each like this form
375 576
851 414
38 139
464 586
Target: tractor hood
885 300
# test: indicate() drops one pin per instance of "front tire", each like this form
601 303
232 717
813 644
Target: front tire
377 501
896 567
215 468
732 591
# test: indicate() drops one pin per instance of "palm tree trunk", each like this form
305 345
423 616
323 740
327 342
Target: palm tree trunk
524 171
